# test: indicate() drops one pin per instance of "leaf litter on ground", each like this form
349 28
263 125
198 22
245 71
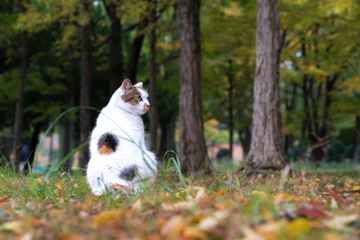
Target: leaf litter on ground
226 205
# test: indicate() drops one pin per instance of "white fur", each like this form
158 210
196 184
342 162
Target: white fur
124 121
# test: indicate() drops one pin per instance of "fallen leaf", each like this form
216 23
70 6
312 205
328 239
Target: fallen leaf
296 228
120 188
108 217
3 199
200 195
313 213
340 222
69 236
137 206
173 228
194 233
208 224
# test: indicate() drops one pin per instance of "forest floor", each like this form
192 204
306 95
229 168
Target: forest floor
309 204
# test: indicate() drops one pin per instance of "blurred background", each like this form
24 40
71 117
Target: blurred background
57 54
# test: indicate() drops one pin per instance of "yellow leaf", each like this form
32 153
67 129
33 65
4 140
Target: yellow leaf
173 228
194 233
108 217
296 228
15 226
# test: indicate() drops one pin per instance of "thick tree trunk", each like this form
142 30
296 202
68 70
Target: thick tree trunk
115 47
85 88
153 100
20 102
267 143
192 148
231 116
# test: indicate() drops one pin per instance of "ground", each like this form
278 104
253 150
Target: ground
308 204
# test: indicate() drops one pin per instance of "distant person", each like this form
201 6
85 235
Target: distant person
25 153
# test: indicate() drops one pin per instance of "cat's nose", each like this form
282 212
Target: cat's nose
146 106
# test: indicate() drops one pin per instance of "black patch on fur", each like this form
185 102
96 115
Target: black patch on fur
128 174
108 141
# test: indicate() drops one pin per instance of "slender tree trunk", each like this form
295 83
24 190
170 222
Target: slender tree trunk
69 125
167 141
153 100
85 87
136 50
20 102
115 47
231 115
33 144
192 149
267 143
357 140
245 139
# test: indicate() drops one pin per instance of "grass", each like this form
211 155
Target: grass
309 204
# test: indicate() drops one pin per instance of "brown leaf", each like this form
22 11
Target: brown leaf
120 188
69 236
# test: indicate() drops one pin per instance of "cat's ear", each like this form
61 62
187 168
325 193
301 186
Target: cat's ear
126 86
139 85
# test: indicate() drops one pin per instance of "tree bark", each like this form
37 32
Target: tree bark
153 100
85 87
20 102
167 141
69 125
136 50
231 115
267 144
33 144
192 148
116 56
357 140
245 139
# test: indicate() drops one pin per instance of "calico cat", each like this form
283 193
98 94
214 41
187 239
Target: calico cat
118 155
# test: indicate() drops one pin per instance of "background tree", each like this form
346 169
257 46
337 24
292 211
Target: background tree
267 146
192 148
18 125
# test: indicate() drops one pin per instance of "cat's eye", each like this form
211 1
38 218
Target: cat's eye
139 98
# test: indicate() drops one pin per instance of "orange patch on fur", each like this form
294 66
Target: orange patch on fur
103 150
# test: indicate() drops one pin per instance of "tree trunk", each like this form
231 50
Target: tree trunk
357 140
153 100
231 122
167 141
192 149
33 144
116 57
85 87
20 102
135 51
267 143
245 140
69 125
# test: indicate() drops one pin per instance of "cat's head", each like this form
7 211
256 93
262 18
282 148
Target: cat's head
132 98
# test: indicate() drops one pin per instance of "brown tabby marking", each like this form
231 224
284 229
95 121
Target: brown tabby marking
132 96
